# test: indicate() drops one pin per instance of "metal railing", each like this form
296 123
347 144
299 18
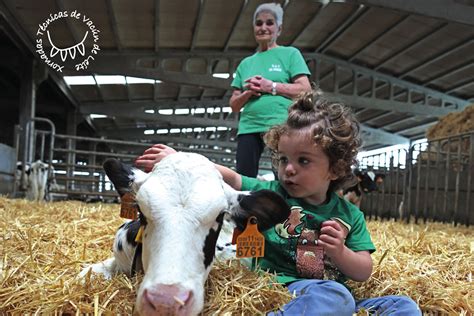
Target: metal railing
431 181
77 161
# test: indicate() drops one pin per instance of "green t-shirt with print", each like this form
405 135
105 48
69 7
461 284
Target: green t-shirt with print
290 249
280 64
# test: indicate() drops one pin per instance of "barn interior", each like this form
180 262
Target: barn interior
160 72
157 71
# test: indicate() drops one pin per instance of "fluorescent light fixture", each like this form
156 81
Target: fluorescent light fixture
198 111
222 128
181 111
165 111
162 131
132 80
97 116
198 129
210 129
149 132
175 131
112 79
150 111
79 80
226 109
221 75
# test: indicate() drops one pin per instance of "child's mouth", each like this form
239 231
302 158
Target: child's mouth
289 183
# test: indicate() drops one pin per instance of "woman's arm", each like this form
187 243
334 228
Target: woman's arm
239 98
291 90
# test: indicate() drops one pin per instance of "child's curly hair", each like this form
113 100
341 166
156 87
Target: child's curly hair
332 126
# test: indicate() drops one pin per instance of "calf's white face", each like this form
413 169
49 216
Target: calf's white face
184 201
37 181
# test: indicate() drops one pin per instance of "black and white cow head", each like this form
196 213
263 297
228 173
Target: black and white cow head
184 201
369 180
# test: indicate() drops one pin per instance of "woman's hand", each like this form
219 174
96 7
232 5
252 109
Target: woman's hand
152 156
239 98
259 84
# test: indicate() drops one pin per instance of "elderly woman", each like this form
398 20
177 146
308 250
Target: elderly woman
264 86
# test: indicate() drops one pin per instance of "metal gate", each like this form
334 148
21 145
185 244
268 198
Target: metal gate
77 161
432 180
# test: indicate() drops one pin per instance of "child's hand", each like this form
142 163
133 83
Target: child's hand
332 237
152 156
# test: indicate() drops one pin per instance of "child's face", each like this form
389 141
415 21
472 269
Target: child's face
303 168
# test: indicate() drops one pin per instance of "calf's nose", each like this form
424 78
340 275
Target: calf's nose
167 299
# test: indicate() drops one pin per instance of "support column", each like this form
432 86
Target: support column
27 109
71 129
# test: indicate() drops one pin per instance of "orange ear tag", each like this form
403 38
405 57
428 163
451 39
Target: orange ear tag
251 242
128 206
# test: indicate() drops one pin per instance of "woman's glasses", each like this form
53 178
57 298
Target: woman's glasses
267 22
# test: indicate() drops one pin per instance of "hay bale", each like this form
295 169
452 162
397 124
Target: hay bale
45 245
457 126
454 123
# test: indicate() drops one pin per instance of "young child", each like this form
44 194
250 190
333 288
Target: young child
325 240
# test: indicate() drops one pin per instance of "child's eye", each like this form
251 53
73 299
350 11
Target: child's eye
283 159
303 161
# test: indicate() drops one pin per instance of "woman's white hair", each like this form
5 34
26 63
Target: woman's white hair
273 8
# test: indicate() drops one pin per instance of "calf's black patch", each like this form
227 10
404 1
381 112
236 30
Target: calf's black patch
209 248
269 207
120 174
132 231
119 245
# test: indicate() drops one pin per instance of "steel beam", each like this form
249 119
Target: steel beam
449 10
371 136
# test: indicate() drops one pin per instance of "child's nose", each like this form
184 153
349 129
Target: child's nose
290 170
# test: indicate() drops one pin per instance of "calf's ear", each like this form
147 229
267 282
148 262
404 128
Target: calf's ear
267 206
122 176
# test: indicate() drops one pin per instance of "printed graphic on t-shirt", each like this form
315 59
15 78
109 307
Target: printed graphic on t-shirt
301 242
275 67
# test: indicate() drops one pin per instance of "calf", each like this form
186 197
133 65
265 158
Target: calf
35 180
366 182
183 203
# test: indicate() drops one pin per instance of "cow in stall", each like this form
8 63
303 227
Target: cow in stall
36 180
183 205
366 182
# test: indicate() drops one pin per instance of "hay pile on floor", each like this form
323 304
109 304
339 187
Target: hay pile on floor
432 263
44 246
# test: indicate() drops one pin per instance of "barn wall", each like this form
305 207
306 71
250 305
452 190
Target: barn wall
7 168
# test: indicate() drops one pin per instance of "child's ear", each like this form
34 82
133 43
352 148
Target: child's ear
333 176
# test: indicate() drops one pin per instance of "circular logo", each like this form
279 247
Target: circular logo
57 57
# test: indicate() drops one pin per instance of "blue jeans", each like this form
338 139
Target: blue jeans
322 297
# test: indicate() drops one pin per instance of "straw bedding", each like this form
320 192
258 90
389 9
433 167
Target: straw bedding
45 245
